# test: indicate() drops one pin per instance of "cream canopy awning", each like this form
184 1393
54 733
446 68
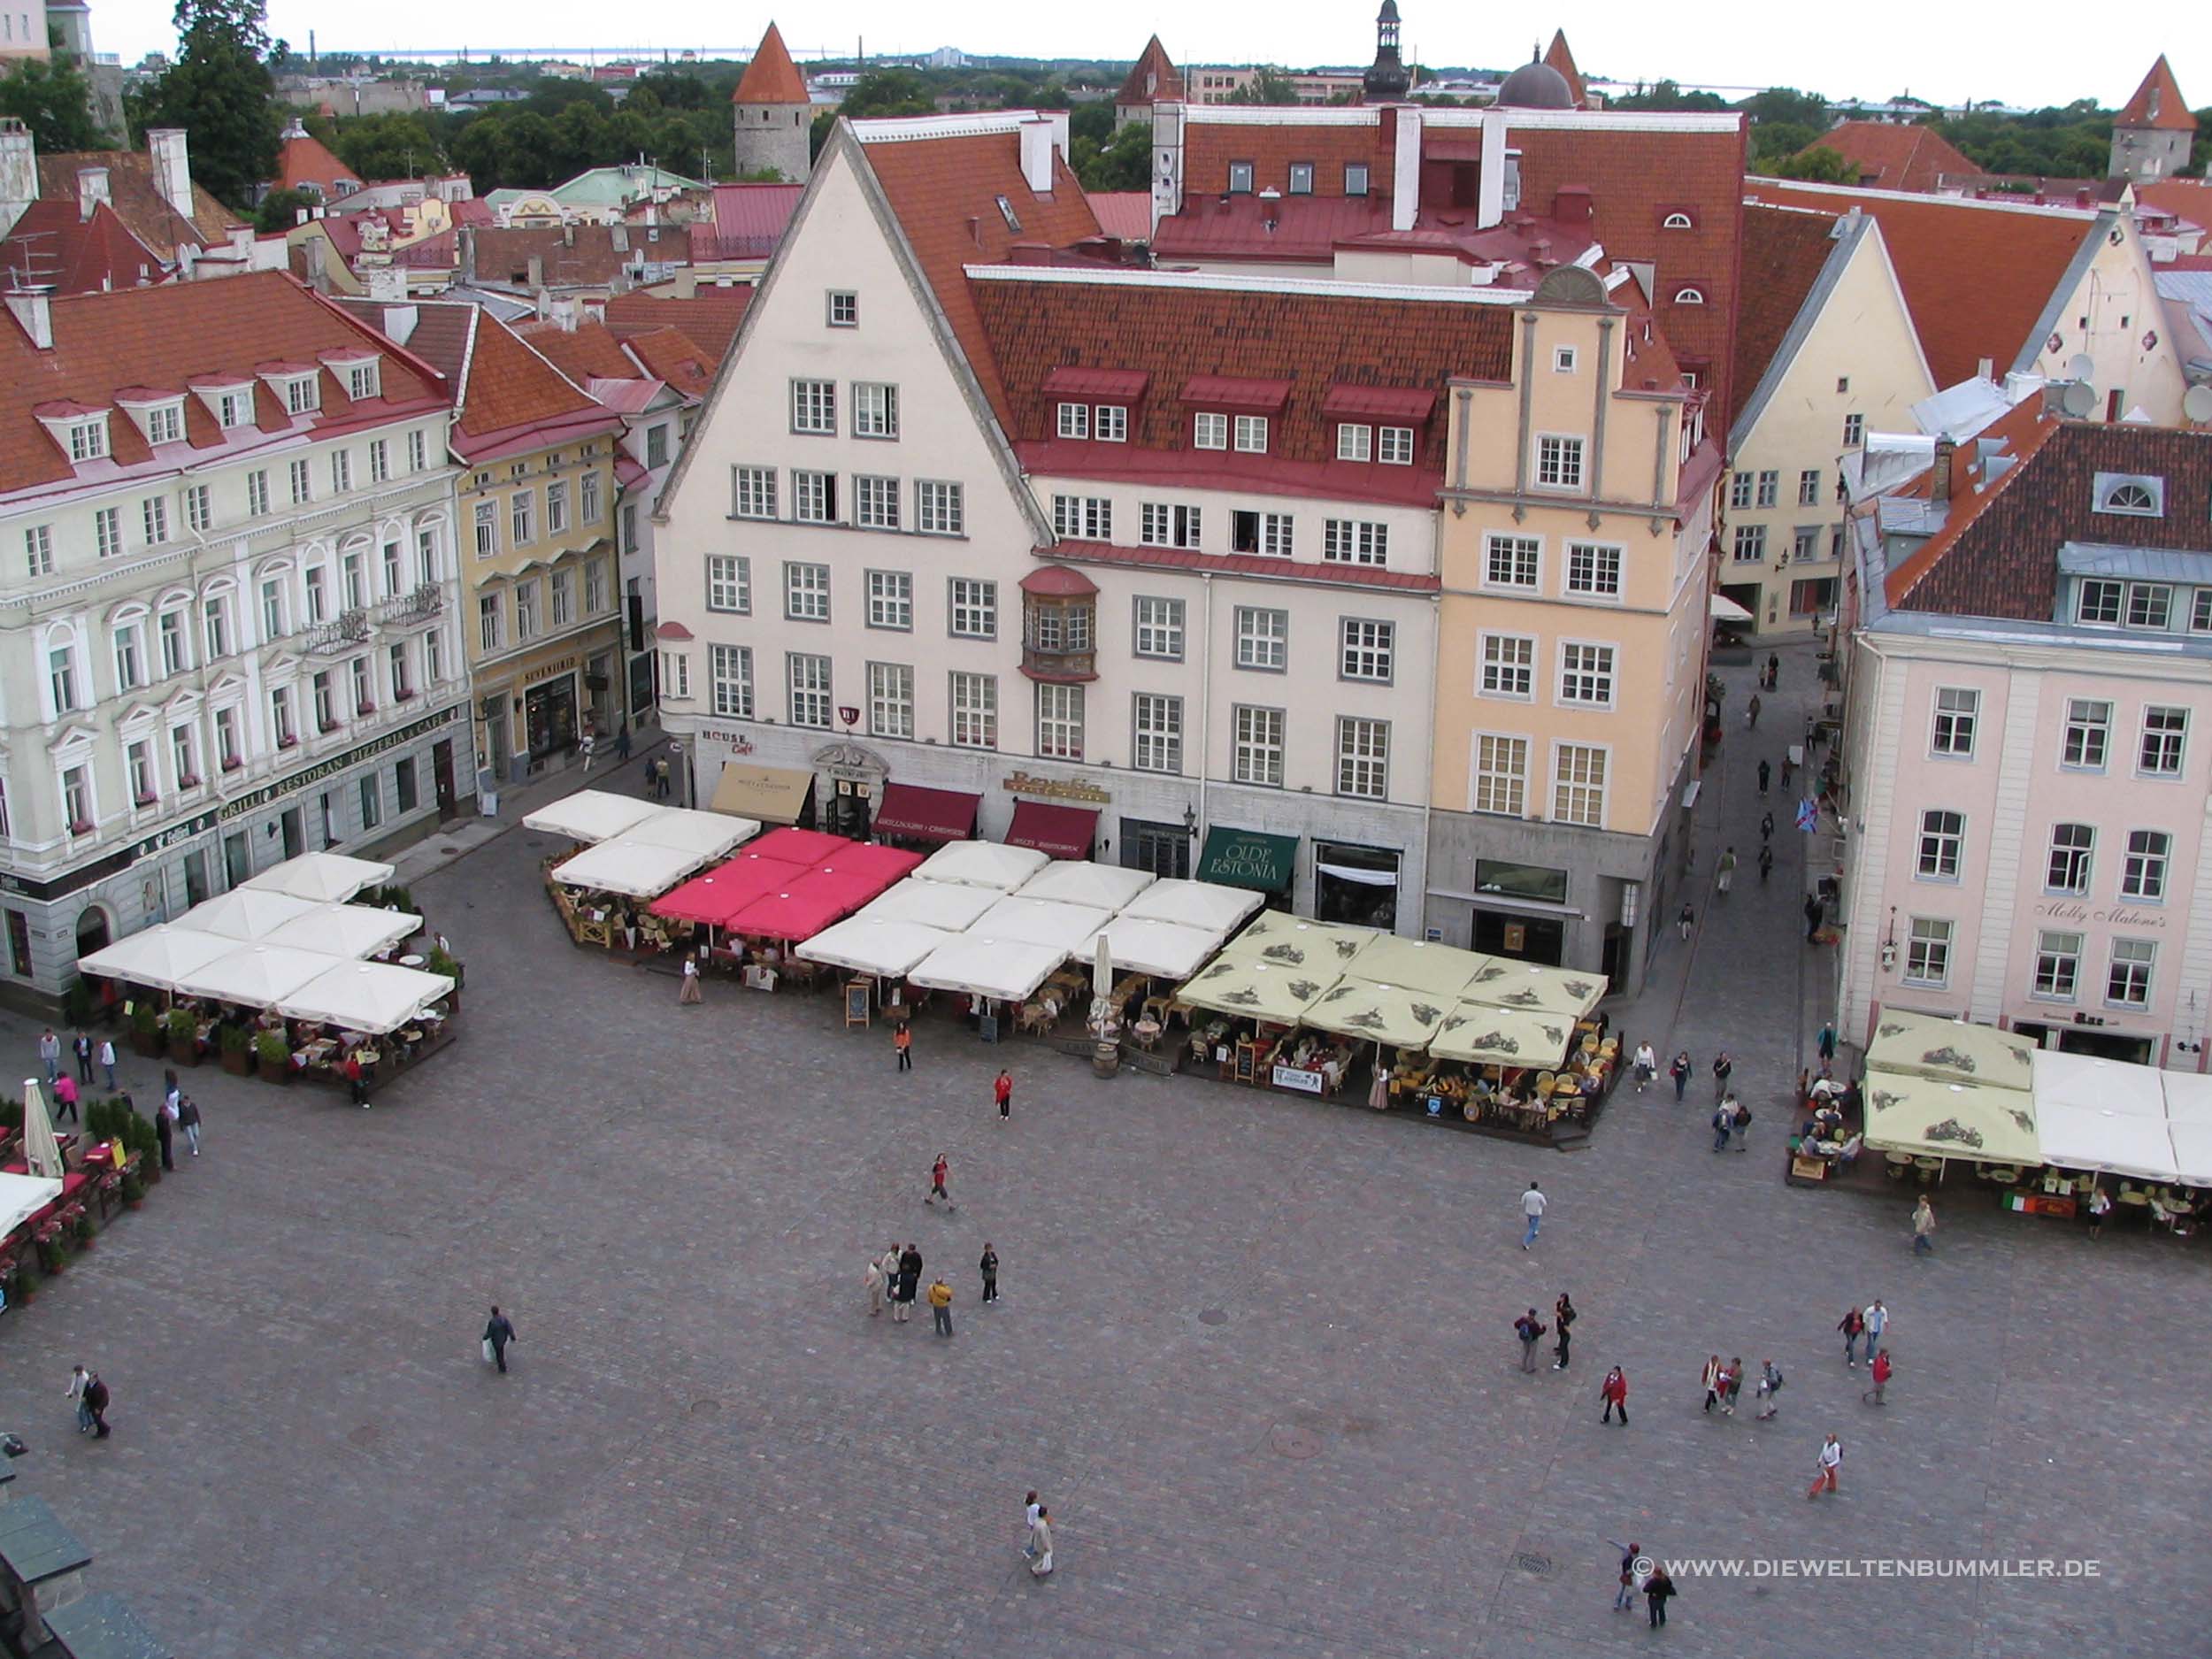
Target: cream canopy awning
2189 1124
345 930
1279 994
1008 969
1532 987
589 815
983 864
774 794
1951 1050
325 878
1393 1014
247 913
1324 948
1207 905
370 996
159 956
1723 609
259 976
710 835
1977 1122
946 905
1482 1035
1140 944
1067 928
1080 881
636 870
1421 964
867 944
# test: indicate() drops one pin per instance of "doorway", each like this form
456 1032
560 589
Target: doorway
1541 939
295 824
93 931
237 859
195 890
442 775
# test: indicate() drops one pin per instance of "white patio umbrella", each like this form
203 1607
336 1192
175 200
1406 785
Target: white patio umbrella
326 878
247 913
40 1151
1101 988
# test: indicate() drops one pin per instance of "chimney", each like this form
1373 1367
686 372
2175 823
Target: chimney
619 235
1405 171
1490 201
1985 368
92 190
1387 130
975 230
318 254
1939 474
399 323
568 236
1572 204
34 309
299 216
2081 196
18 171
172 166
1036 142
1271 207
536 271
388 283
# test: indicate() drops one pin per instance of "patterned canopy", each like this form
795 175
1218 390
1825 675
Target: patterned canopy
1484 1035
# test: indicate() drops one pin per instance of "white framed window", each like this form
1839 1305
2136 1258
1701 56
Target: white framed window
729 583
325 698
939 509
676 676
1853 431
76 799
1957 710
1251 434
814 406
1769 488
380 460
1585 675
1749 546
843 309
176 646
217 624
1210 432
1356 178
1159 628
2073 848
657 444
1109 423
487 516
891 600
1354 541
184 756
1558 463
272 609
1262 638
2099 603
233 408
525 610
1157 724
340 471
521 517
2128 980
61 678
2143 875
875 409
316 580
197 517
1060 722
362 381
1740 487
973 607
138 771
2144 497
1509 666
890 700
2057 966
38 549
561 596
130 657
807 678
87 438
395 571
1083 517
1594 570
1501 775
587 498
557 507
806 591
1354 443
1362 757
434 657
1301 178
1365 648
2165 740
2088 733
1562 359
1075 420
354 581
594 587
1578 794
1257 755
1510 561
813 496
1928 952
155 512
418 452
107 530
1942 841
2150 605
1808 487
257 494
975 710
875 502
1165 525
1396 446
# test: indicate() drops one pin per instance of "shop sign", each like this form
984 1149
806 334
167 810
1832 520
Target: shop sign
1291 1076
548 671
1055 789
261 797
2082 915
740 744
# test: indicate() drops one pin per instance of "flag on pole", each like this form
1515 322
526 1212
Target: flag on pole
1808 816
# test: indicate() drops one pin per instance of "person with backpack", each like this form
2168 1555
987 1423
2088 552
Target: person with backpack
1740 1121
1531 1330
1769 1385
1614 1391
1724 1122
1851 1325
1659 1587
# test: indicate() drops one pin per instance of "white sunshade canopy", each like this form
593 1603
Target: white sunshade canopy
1138 944
325 878
868 944
983 864
2102 1115
1082 881
1726 610
259 976
247 913
1067 928
345 930
710 835
637 870
1006 969
370 996
159 956
23 1196
590 815
1207 905
2189 1124
942 904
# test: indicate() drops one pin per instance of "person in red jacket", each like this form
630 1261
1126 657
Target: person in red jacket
1614 1391
1002 1091
1879 1370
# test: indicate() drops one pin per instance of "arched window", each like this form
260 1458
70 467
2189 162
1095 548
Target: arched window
1689 296
2129 494
1677 221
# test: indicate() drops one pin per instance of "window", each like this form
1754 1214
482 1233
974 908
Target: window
489 627
138 769
1500 774
1258 757
1808 487
361 381
2150 604
404 783
1157 725
1060 722
1265 532
272 609
176 654
1594 570
890 599
2071 846
196 516
1942 836
2099 601
587 498
395 572
2057 965
1806 547
2088 730
1675 221
1577 795
729 583
226 750
2144 496
364 687
1083 517
656 440
2143 876
808 678
1210 432
130 667
814 497
975 710
806 592
38 549
2165 731
557 507
1739 488
1006 213
1058 625
155 512
1585 675
1689 296
183 754
1109 423
1562 359
595 586
1750 544
487 529
341 471
675 676
418 456
561 589
1166 526
233 408
1558 463
1769 488
1159 628
1075 420
2128 982
1509 665
356 589
939 509
730 669
1355 443
379 461
1365 648
875 411
1510 561
1251 434
1301 178
434 656
317 597
1354 541
875 502
281 725
1397 446
525 610
844 308
61 676
814 406
974 608
107 529
1356 178
1928 952
326 709
890 700
218 628
372 801
1262 638
88 439
1853 431
521 511
76 799
1956 709
1240 178
754 491
1363 758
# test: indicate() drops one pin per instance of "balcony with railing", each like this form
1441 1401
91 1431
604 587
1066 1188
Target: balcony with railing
347 633
418 606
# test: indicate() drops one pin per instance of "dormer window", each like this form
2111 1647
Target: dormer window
87 438
301 388
1109 423
1075 420
1677 221
1689 296
1301 178
2140 497
231 405
1251 434
1354 442
1240 178
165 423
1210 432
364 380
1356 178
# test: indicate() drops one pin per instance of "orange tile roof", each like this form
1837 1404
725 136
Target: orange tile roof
2158 103
1152 78
137 203
709 319
1562 58
1893 157
1124 213
1975 276
585 352
304 161
1783 253
53 244
2183 198
511 387
771 77
672 358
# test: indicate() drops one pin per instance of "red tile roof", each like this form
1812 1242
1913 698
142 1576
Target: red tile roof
511 387
1975 276
173 335
2158 103
1562 58
141 206
572 256
53 244
2183 198
588 351
747 222
1151 78
305 162
672 358
1124 213
771 77
1275 570
1893 157
709 319
1209 147
1784 251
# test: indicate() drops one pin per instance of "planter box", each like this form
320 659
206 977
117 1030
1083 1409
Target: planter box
278 1074
150 1044
186 1053
239 1064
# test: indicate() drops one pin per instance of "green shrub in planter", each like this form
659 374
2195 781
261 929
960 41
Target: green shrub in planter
27 1282
84 1230
275 1053
76 1003
183 1026
440 962
132 1189
236 1040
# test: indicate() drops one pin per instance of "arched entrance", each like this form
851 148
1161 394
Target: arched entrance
849 784
93 931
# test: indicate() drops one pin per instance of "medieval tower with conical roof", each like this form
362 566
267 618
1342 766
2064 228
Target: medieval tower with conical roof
772 116
2151 137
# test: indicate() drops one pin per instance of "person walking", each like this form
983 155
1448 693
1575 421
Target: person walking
1814 911
1624 1598
50 1054
1031 1510
1563 1319
1680 1072
1614 1391
1766 864
1724 1121
1531 1330
79 1380
1646 1065
1924 1227
107 1061
1533 1206
1657 1589
1002 1092
1724 873
621 742
499 1330
65 1098
1739 1120
1828 1042
1876 1325
2099 1207
909 1282
1853 1324
941 1305
1824 1472
874 1281
588 746
1880 1372
1709 1379
1751 713
1733 1380
81 1047
688 996
95 1404
1685 919
1723 1066
887 1266
1766 771
1774 671
902 1045
988 1267
938 1173
1766 824
164 1132
1040 1543
1769 1385
189 1120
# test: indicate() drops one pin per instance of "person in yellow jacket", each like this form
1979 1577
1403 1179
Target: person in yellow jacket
941 1305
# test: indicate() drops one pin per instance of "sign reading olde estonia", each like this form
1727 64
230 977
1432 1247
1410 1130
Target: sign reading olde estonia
1054 788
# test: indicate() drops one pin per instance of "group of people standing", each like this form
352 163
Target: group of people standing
894 1278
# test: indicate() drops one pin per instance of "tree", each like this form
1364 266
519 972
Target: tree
1773 142
1094 121
887 92
1123 164
1267 86
280 210
1667 95
219 90
389 147
1787 105
1818 166
53 101
817 134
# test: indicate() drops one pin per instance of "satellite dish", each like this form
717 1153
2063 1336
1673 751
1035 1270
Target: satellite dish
2196 403
2077 400
2080 366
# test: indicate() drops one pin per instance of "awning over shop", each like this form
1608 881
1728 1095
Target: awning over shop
1057 831
1977 1122
1726 610
774 794
1482 1035
1950 1050
927 815
1249 859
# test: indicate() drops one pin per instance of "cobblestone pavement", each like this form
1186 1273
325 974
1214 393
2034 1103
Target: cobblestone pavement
1255 1351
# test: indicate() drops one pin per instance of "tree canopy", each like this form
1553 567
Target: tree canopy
1123 162
53 101
219 90
1268 86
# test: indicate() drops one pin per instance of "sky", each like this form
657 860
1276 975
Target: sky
1872 50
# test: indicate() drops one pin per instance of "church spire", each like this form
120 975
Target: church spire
1387 80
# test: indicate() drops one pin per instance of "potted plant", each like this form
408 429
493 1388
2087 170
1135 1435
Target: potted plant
275 1056
132 1189
237 1050
146 1029
144 1145
184 1047
84 1230
27 1283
